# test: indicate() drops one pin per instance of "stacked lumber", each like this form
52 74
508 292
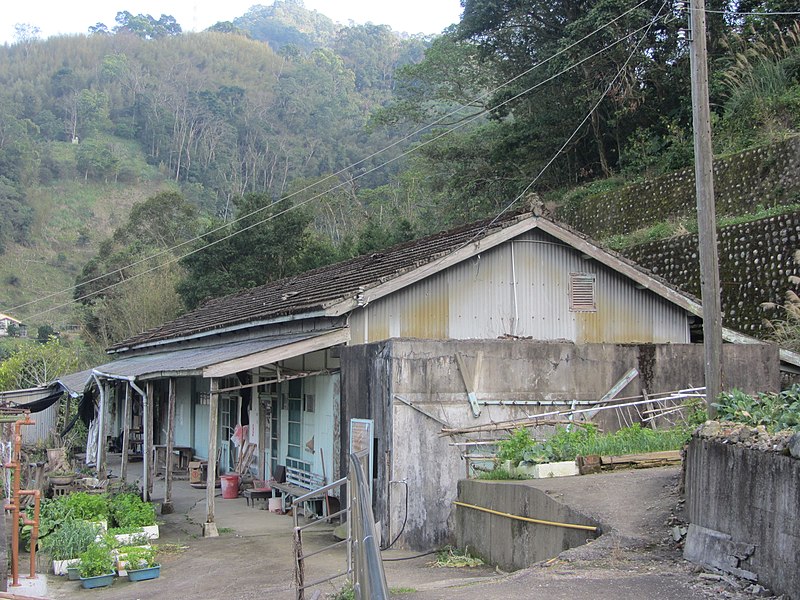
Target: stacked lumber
245 458
595 463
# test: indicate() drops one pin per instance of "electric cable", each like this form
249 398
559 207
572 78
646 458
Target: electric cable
311 186
405 515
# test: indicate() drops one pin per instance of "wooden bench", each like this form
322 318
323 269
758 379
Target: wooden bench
299 483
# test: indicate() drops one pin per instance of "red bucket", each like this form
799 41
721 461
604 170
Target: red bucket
230 486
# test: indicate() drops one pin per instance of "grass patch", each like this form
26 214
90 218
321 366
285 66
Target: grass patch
402 590
583 441
454 558
170 549
497 474
225 530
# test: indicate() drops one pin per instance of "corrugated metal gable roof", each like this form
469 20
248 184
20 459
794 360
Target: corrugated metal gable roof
314 290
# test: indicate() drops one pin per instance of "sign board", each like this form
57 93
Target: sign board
361 440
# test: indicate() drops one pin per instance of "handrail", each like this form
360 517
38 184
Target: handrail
369 579
318 491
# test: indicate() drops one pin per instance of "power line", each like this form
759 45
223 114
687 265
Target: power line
341 184
333 175
761 14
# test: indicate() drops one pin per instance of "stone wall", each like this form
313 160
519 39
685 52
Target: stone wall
767 176
742 500
755 262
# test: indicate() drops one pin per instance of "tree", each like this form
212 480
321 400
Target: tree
275 242
33 364
146 26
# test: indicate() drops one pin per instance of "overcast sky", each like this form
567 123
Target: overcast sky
54 17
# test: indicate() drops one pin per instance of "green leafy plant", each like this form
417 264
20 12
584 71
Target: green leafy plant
586 440
82 505
96 560
70 539
776 412
129 510
515 447
139 558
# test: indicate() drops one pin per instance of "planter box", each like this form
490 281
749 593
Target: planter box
566 468
74 573
121 558
144 574
98 581
60 566
151 531
125 539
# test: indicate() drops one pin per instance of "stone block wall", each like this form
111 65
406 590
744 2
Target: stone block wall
767 176
752 496
756 260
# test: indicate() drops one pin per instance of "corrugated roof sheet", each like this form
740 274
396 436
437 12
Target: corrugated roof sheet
193 360
74 383
315 289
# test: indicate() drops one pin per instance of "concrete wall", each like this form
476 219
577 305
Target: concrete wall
426 373
509 543
753 496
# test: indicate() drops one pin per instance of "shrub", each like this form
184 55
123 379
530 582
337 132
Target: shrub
82 505
96 560
776 412
129 510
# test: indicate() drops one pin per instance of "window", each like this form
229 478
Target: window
309 403
582 292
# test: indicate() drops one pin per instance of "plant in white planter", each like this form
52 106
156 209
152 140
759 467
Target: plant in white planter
129 510
66 543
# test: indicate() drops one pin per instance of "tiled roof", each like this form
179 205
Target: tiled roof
313 290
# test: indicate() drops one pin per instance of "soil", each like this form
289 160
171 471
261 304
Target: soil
635 558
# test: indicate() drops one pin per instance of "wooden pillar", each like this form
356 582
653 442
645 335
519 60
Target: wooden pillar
126 432
210 527
166 506
149 469
263 434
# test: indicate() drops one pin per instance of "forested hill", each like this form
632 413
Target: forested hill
91 124
301 137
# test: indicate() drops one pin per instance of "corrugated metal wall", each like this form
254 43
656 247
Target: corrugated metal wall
477 299
45 421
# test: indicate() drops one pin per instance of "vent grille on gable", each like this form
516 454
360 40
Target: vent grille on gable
582 292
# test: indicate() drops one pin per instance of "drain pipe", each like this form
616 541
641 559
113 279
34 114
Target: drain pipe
145 458
528 519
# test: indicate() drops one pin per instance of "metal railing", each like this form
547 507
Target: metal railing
364 564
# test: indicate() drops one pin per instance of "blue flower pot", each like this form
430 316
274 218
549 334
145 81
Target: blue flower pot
144 574
97 581
73 573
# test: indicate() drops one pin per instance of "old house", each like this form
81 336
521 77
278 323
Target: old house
295 361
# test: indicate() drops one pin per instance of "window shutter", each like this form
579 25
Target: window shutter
582 296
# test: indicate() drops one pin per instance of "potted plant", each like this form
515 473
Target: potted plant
141 564
66 543
129 536
129 510
61 477
97 566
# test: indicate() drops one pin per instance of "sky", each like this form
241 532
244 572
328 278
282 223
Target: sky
55 17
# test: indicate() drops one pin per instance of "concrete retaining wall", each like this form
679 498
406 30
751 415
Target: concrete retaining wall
377 378
752 496
509 543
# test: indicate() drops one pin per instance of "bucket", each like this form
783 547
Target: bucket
275 505
230 486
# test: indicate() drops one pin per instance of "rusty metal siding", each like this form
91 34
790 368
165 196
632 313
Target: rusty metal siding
476 300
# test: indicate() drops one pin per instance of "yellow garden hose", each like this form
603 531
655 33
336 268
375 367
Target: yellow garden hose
528 519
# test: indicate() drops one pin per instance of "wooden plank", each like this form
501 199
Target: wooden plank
469 382
213 410
667 456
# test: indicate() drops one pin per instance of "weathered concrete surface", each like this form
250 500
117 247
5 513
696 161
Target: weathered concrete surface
508 543
376 378
753 496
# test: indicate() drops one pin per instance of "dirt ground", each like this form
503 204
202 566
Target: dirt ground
635 558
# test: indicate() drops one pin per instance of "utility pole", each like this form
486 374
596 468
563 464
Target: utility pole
706 212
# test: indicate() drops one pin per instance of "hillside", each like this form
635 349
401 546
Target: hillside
213 115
